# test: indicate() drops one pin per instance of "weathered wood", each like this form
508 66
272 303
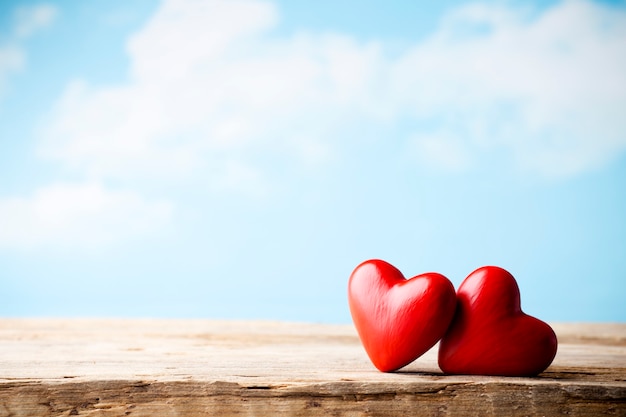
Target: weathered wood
54 367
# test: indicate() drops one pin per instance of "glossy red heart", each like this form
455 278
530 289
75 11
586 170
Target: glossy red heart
490 335
398 319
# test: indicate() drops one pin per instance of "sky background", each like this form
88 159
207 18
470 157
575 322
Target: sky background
238 159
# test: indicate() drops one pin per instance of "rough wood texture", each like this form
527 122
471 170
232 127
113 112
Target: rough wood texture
53 367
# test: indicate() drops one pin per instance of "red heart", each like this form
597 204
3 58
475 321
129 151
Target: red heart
398 319
490 335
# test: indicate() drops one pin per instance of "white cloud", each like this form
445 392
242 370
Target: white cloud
440 152
550 88
30 19
208 84
11 60
83 215
214 97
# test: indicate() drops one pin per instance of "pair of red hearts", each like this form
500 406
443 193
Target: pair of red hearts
481 327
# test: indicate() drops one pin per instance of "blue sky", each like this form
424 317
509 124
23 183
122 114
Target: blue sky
237 159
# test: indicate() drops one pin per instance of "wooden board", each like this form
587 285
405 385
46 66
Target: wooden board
88 367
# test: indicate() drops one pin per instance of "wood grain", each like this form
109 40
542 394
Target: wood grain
59 367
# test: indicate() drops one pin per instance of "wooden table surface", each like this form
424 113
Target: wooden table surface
92 367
